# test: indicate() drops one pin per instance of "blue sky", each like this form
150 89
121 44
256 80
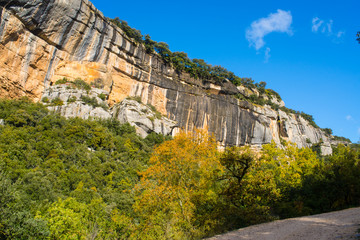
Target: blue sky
304 50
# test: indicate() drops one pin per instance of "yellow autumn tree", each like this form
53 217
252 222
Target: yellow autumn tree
178 192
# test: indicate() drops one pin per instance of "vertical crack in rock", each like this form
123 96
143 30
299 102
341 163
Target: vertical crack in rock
50 67
64 38
29 54
99 45
87 39
80 38
113 39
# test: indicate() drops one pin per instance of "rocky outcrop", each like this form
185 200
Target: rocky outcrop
143 118
70 101
42 41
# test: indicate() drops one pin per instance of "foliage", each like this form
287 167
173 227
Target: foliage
78 83
97 83
135 98
337 138
62 81
149 44
163 49
81 84
102 96
358 36
333 186
92 101
309 118
157 114
57 173
83 179
327 131
129 31
72 99
45 100
176 196
56 102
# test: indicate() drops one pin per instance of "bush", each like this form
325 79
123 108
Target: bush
57 102
97 83
93 102
102 96
62 81
328 131
45 100
72 99
81 84
135 98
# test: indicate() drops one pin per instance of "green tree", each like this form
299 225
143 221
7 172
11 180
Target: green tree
163 49
177 194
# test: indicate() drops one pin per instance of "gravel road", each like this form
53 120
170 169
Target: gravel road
327 226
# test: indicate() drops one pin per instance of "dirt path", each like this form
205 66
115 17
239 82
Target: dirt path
327 226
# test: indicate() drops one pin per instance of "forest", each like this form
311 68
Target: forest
96 179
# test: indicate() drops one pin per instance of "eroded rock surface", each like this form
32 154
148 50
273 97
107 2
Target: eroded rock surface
42 41
70 101
143 118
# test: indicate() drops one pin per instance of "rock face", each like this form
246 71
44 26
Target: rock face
42 41
69 101
72 103
143 118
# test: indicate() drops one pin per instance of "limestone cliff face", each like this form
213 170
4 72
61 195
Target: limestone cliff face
42 41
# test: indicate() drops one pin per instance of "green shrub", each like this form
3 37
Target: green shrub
102 96
93 102
81 84
72 99
135 98
337 138
98 83
327 131
57 102
45 100
62 81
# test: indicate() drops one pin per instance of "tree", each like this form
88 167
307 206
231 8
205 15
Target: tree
178 192
328 131
149 44
358 37
163 49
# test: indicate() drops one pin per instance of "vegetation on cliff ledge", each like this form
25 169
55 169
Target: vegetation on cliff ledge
90 179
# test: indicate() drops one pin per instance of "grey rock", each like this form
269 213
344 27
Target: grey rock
76 107
143 118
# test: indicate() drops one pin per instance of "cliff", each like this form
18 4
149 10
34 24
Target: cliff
42 41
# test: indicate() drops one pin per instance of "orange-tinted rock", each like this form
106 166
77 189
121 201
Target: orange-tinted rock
72 39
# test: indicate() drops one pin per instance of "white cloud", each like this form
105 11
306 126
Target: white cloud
319 25
339 34
267 54
349 117
316 24
329 26
276 22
